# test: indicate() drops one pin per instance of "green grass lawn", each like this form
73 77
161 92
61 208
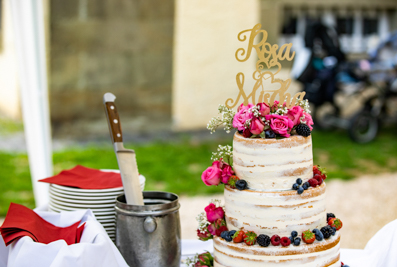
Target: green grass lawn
177 167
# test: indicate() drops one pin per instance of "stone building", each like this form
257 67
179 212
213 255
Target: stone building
169 63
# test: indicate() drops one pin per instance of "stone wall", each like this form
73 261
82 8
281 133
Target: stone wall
119 46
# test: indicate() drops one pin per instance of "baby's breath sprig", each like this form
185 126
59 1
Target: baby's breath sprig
216 202
224 152
281 110
226 119
203 221
304 104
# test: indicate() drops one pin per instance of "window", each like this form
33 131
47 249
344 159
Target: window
344 25
370 26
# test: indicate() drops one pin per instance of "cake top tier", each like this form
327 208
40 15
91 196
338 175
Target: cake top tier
272 164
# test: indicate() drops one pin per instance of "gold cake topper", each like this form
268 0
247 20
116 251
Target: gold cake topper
268 57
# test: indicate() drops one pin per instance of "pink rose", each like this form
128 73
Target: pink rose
227 171
264 109
242 116
214 213
281 125
295 114
211 176
308 120
212 229
257 126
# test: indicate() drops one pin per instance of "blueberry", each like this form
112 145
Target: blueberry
305 186
241 184
229 235
294 233
292 239
295 186
299 181
224 234
270 134
297 241
334 230
319 235
315 231
300 190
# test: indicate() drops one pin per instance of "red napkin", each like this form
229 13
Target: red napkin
86 178
21 221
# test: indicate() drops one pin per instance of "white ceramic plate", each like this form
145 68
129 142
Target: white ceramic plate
82 206
83 196
100 211
94 201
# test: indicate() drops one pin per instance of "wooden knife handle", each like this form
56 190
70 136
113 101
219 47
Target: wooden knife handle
113 122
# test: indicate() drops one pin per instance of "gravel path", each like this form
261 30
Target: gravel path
364 205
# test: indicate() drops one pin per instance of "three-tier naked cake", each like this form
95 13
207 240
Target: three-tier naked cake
274 208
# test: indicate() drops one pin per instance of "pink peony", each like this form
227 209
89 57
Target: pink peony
211 176
227 171
214 213
308 120
295 113
257 126
218 164
281 125
264 109
242 116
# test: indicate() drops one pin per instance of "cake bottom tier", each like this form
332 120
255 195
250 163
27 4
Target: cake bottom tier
319 254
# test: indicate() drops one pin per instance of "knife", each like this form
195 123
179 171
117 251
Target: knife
125 157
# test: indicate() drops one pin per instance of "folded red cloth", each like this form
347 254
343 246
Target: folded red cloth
22 221
86 178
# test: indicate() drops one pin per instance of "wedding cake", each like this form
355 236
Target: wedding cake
274 197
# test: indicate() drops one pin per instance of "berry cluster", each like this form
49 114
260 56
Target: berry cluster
343 265
250 238
299 187
319 175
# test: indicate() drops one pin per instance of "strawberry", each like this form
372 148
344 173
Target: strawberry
232 181
335 222
308 237
275 240
318 178
238 236
250 238
313 182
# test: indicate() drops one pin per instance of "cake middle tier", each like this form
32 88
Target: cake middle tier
275 213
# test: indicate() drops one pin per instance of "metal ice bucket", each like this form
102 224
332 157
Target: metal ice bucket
150 234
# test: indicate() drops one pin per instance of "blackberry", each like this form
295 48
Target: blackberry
306 185
299 181
326 231
330 215
240 132
297 241
241 184
303 129
270 134
294 233
224 234
263 240
295 186
300 190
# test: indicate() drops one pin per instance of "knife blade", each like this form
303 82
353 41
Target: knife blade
126 158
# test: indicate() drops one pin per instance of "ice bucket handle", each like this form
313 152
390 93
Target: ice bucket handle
150 224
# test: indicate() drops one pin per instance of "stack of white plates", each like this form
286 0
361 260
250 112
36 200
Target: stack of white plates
100 201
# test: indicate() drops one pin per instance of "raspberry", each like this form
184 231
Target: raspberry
263 240
285 241
318 178
303 129
247 133
313 182
275 240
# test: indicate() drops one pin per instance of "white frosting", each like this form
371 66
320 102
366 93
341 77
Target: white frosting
277 212
270 164
304 255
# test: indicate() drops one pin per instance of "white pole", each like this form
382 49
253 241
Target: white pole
28 24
